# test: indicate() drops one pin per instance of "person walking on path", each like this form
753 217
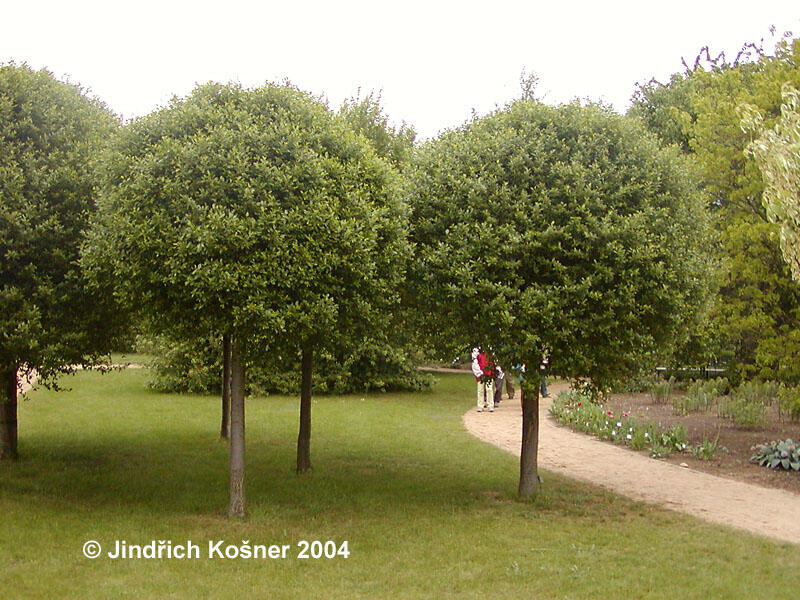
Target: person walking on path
542 373
483 371
499 377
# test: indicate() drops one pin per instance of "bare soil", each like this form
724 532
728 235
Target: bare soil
734 461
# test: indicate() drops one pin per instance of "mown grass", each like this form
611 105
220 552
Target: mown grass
428 511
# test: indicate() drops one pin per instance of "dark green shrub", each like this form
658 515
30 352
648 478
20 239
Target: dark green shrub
197 368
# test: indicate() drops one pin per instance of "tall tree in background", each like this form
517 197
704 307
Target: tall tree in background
755 318
50 318
777 153
255 214
561 230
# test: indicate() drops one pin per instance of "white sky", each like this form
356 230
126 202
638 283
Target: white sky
435 61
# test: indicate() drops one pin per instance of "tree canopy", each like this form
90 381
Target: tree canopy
777 153
562 230
50 318
367 117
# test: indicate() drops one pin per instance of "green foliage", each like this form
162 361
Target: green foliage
754 320
777 153
562 228
49 133
706 449
789 402
780 454
661 389
254 212
638 383
744 412
700 396
366 116
762 392
666 109
196 367
757 315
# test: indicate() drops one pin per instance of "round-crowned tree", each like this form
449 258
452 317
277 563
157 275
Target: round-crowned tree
255 214
50 318
563 231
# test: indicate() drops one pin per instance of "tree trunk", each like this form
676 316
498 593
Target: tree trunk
236 506
8 415
224 429
304 437
528 460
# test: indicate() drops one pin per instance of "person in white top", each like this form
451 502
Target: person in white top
483 371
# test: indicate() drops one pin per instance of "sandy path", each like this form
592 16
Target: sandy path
770 512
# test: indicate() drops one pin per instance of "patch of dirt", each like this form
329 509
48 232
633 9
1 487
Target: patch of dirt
733 463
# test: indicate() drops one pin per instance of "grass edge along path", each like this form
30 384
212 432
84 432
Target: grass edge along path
428 510
763 511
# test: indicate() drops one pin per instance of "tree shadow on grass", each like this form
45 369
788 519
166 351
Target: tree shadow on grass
187 475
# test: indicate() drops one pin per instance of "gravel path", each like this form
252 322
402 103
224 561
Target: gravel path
769 512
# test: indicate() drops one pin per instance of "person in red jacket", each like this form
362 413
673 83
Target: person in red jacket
483 370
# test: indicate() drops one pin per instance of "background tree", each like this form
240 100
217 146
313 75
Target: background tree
255 214
777 153
564 230
50 318
754 316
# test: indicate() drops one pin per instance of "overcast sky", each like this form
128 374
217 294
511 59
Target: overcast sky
435 61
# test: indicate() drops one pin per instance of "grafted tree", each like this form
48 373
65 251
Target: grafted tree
50 317
562 230
255 214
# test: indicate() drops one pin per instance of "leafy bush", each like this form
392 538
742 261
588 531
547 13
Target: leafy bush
789 402
661 389
745 413
747 406
761 392
197 368
643 382
700 396
668 441
784 454
707 448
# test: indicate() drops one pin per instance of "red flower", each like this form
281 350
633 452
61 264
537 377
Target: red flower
579 403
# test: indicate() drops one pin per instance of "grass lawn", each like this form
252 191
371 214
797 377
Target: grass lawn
427 511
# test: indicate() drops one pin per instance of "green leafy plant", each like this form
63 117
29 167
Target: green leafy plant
660 390
744 412
789 402
779 454
764 392
707 448
700 396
